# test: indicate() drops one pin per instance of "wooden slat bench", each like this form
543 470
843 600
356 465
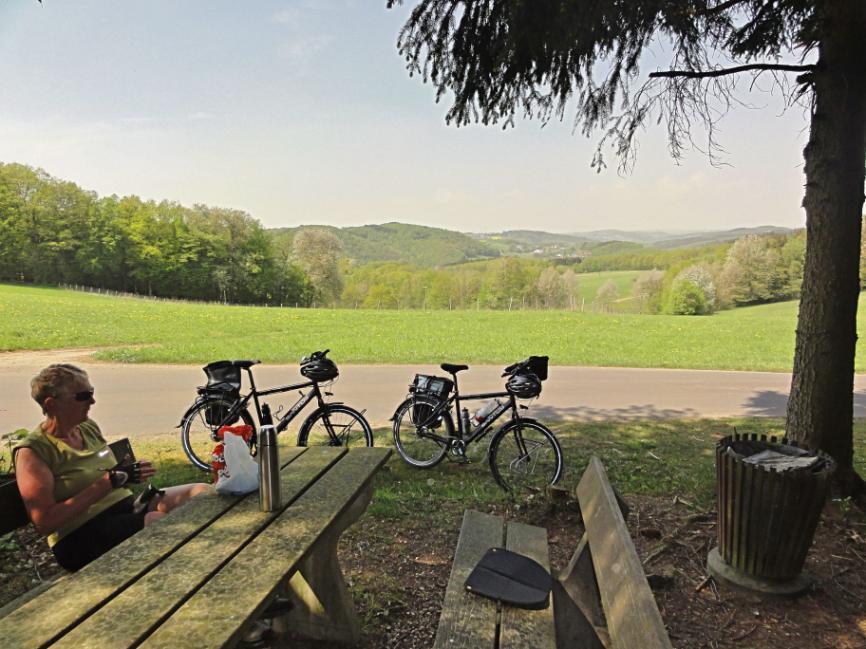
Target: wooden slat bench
202 576
601 600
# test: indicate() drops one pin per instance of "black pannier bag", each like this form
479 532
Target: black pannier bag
538 366
217 412
437 388
223 380
223 376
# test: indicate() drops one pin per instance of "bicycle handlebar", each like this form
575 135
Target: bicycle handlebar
315 356
516 367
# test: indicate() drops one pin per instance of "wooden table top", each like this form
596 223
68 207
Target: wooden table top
197 576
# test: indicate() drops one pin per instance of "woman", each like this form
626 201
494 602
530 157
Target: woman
69 479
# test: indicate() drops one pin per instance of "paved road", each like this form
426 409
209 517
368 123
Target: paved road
142 400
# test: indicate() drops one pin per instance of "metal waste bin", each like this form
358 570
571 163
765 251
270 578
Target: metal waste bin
769 494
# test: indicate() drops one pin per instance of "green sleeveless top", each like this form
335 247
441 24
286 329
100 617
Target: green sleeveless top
75 470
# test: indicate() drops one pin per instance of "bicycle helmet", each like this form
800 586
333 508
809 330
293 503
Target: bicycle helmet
319 369
523 386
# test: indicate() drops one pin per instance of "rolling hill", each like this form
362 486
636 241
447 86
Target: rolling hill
415 244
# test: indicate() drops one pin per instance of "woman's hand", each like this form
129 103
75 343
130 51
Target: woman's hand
145 471
136 472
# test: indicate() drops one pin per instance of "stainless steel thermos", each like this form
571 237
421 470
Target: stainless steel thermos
269 470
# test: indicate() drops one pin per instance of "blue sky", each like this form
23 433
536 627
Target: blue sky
302 112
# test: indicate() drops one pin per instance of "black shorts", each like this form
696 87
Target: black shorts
98 535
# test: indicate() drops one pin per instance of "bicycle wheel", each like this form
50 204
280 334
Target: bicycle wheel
198 437
418 435
335 425
525 456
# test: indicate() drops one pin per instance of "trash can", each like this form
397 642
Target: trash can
769 495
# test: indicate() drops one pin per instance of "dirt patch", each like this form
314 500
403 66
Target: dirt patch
398 570
41 358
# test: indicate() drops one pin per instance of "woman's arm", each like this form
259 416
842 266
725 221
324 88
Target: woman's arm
36 484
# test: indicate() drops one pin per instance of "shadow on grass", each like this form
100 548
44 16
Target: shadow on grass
770 403
585 413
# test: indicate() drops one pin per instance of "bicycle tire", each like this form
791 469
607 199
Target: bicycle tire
525 456
322 428
411 439
198 437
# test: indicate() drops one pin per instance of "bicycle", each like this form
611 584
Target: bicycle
523 453
220 403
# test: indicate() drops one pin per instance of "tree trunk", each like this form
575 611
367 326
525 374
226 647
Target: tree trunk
820 408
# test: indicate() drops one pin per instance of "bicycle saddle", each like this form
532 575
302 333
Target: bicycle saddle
453 369
245 364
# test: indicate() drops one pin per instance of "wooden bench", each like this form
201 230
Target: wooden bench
601 600
202 576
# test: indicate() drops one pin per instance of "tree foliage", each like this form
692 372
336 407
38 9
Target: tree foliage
532 58
318 251
605 296
52 231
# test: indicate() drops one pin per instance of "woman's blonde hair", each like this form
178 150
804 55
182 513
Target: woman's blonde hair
53 380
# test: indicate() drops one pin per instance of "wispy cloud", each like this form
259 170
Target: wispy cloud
286 17
304 36
305 46
137 119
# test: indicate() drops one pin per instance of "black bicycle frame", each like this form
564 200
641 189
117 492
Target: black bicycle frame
285 420
479 431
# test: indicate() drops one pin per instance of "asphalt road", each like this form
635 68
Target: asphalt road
143 400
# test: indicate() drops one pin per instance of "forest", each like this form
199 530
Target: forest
53 232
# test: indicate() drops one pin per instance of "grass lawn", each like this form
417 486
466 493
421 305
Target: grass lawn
146 331
647 458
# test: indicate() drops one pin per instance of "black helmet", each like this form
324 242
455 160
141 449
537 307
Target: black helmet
319 369
523 386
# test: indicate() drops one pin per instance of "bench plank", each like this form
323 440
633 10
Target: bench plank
469 621
522 628
87 590
132 614
217 614
633 619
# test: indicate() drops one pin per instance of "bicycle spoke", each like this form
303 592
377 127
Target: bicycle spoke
526 458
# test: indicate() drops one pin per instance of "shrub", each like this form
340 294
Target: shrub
687 298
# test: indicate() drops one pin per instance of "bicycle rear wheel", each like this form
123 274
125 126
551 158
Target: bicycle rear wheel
198 437
419 435
525 456
335 425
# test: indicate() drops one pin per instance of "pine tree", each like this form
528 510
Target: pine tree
500 59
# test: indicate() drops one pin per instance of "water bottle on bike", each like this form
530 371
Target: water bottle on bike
481 414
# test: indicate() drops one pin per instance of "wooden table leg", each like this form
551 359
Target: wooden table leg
323 608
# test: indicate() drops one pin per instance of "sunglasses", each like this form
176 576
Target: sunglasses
84 395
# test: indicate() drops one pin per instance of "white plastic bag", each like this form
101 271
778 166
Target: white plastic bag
241 473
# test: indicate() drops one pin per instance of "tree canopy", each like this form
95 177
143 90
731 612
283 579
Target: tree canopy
498 60
54 232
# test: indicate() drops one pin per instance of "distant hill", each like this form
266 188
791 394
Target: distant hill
598 242
416 244
703 238
431 247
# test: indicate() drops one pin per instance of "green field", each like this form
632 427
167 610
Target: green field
589 283
148 331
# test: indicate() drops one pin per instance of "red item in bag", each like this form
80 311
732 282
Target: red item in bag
218 461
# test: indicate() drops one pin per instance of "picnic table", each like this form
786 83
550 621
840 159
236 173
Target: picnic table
201 576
